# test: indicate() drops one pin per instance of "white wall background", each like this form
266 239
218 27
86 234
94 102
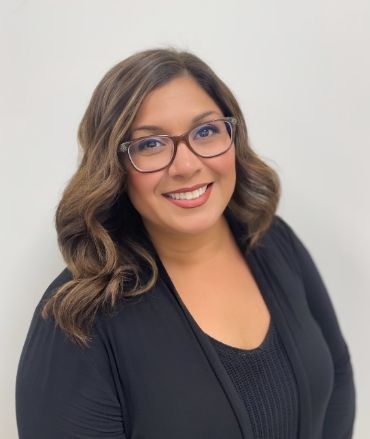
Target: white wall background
301 73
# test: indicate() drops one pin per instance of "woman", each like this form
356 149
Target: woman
188 308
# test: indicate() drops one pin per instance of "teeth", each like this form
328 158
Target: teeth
188 195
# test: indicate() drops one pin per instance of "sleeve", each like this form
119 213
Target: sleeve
341 409
60 392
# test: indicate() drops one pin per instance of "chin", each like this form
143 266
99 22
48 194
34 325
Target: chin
194 226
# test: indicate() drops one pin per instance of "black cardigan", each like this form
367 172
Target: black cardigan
152 369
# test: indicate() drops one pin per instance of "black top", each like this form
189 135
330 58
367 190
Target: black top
265 382
151 373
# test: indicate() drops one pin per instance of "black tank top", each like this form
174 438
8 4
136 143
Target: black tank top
264 379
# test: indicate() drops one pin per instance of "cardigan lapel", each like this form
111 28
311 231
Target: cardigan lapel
272 291
267 269
231 394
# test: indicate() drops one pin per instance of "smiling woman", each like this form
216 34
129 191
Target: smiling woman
188 308
193 162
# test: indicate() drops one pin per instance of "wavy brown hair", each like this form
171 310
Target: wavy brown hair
96 223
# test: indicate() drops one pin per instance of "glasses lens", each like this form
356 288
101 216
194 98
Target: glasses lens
211 138
151 153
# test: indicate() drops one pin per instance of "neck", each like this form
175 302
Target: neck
186 251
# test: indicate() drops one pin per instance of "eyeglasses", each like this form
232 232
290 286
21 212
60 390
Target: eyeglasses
153 153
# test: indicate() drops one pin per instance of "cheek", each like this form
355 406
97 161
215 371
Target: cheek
228 172
224 165
134 183
140 188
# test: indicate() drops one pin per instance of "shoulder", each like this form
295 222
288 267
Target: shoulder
63 389
280 229
45 339
280 246
286 237
51 360
44 335
279 235
62 278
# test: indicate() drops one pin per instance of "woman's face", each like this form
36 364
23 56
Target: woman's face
172 107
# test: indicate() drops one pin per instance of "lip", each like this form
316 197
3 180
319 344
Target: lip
187 189
197 202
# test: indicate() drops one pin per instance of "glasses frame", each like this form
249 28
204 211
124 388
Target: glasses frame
125 146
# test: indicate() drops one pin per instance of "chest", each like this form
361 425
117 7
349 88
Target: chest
225 301
175 384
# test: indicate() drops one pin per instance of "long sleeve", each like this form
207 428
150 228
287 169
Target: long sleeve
60 391
340 412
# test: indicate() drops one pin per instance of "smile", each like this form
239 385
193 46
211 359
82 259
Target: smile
188 195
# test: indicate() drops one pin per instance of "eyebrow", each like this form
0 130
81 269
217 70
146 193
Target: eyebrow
193 121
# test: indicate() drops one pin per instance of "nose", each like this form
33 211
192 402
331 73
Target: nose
185 161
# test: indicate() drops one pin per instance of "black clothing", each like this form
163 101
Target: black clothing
265 382
151 368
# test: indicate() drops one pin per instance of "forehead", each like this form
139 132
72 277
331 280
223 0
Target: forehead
175 104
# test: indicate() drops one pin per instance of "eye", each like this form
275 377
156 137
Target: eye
149 145
206 131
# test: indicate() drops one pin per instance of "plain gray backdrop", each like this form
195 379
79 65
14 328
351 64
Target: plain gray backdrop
300 71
